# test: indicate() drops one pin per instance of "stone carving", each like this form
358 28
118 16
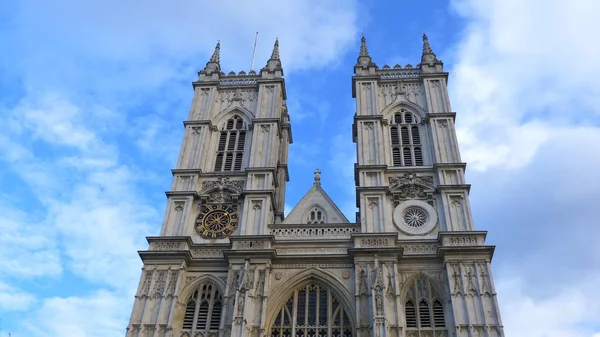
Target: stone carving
456 201
166 245
206 253
222 190
278 275
377 286
311 250
250 244
145 289
241 300
258 290
373 202
410 186
362 285
239 97
412 92
391 287
463 241
159 285
423 249
313 232
457 279
374 242
172 283
470 275
485 286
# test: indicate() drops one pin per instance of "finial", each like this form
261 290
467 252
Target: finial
215 56
317 176
426 46
363 46
275 54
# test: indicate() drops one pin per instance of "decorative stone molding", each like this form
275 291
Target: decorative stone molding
292 251
167 245
420 249
206 253
375 242
462 241
250 244
308 233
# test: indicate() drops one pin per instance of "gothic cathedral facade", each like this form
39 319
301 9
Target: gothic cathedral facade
228 263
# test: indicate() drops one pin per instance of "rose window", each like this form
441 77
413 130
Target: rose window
415 217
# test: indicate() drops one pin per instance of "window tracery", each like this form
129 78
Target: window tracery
312 311
230 149
423 308
203 310
316 216
406 140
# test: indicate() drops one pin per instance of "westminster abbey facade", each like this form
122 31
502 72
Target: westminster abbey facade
228 263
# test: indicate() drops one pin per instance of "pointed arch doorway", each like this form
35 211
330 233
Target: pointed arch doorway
312 310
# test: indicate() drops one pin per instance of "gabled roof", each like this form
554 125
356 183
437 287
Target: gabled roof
316 196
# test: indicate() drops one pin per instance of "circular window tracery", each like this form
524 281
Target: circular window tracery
415 217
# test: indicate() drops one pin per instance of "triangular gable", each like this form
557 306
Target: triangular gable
316 197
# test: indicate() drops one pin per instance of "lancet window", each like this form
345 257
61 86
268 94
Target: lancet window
203 310
423 308
312 311
230 150
406 140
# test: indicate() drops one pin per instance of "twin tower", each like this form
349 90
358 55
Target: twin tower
229 263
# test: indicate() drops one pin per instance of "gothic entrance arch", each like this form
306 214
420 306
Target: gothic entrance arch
312 310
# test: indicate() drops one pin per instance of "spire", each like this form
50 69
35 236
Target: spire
428 57
363 47
213 64
275 53
274 63
364 59
215 55
426 46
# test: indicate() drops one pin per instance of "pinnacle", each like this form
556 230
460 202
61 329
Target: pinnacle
363 47
215 56
275 54
426 46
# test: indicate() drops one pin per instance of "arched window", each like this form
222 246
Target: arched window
315 312
423 308
406 140
315 216
230 150
203 310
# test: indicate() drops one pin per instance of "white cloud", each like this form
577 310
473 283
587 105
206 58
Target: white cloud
100 314
523 83
12 298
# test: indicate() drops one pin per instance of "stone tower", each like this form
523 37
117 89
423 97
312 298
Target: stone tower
228 263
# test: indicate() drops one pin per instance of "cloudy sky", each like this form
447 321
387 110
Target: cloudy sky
93 94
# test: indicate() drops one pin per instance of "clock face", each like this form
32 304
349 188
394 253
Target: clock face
216 221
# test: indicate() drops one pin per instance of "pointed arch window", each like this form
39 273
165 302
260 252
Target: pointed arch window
406 140
203 310
230 150
423 309
316 216
312 310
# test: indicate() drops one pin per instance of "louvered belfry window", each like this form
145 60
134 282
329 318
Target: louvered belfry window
310 312
406 140
230 150
423 309
203 310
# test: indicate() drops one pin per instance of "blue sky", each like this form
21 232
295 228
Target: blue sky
93 94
